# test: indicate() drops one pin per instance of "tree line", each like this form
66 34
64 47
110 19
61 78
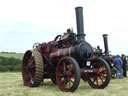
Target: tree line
10 64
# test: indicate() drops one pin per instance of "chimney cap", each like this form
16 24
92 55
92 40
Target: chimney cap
79 7
105 35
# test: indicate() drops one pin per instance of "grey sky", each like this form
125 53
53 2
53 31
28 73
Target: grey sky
25 22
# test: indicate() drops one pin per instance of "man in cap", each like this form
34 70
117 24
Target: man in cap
118 65
124 66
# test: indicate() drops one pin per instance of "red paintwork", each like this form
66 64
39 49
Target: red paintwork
51 50
47 48
60 52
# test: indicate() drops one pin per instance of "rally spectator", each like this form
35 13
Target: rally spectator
124 65
118 65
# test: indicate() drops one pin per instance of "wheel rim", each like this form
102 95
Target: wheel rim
66 75
32 68
101 75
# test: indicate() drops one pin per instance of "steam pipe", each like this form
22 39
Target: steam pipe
106 44
80 24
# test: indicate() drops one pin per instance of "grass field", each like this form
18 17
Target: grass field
17 56
11 84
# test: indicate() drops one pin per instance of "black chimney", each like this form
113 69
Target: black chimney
80 24
106 44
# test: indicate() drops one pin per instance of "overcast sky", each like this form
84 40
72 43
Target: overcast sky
25 22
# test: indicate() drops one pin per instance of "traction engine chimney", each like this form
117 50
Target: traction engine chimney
80 24
106 44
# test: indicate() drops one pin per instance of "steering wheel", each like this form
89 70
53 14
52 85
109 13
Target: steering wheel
57 38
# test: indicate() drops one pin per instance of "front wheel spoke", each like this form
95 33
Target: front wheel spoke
70 68
93 80
72 76
64 66
101 79
65 82
69 84
71 81
102 75
97 81
103 71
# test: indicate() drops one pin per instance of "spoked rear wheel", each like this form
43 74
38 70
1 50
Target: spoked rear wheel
32 68
100 78
68 74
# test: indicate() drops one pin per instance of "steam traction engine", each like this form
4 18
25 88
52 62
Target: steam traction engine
106 55
65 60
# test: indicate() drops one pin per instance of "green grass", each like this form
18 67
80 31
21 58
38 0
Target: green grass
17 56
11 84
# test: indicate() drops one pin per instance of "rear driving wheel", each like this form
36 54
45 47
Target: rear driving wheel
32 68
100 78
68 74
